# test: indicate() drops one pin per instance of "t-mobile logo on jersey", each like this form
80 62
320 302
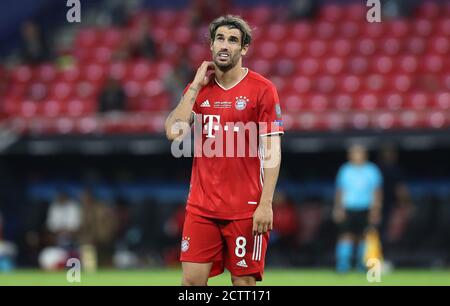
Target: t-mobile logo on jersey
209 126
208 121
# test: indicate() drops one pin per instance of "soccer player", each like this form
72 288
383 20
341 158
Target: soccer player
229 207
357 205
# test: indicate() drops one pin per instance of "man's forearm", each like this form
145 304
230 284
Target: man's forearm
183 111
270 182
271 168
378 202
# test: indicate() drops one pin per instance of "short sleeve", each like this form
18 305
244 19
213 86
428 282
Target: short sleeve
269 113
377 177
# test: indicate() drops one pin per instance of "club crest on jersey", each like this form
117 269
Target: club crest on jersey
241 102
185 244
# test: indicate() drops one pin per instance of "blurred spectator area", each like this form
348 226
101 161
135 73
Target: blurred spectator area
421 228
333 72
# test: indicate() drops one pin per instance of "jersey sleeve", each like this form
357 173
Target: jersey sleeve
269 113
377 177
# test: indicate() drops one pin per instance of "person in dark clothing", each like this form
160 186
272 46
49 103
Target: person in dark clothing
112 97
395 189
35 48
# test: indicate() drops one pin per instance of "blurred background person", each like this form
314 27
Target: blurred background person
302 9
286 226
399 8
35 48
177 78
97 229
358 203
63 221
112 98
395 189
62 225
203 11
8 251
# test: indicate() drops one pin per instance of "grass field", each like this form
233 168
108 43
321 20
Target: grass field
304 277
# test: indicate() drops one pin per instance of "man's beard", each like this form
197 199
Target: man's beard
225 67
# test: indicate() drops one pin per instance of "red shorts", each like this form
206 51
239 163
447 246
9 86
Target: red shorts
225 243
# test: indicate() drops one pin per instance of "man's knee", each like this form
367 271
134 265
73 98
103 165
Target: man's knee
194 280
243 280
195 274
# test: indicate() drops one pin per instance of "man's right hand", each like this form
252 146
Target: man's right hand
203 75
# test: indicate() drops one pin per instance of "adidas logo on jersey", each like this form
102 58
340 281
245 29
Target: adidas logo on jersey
205 104
242 263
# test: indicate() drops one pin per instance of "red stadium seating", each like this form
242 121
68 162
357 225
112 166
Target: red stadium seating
335 72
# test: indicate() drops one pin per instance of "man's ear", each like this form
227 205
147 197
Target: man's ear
244 50
211 45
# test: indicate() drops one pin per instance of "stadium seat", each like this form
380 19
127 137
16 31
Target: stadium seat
358 65
325 84
325 30
382 64
342 47
442 101
348 29
308 66
443 27
401 83
86 39
70 74
391 46
61 91
301 31
407 64
37 91
423 27
417 101
436 119
331 13
46 72
284 67
366 46
415 45
355 12
367 102
293 103
22 74
317 48
343 102
440 45
432 64
350 84
375 83
276 32
374 30
318 103
301 84
384 120
393 101
399 28
428 9
445 81
291 49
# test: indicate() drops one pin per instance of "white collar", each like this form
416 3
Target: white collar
243 77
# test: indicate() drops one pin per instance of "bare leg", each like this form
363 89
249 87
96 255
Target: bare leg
195 274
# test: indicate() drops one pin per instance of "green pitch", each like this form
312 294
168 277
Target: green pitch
171 277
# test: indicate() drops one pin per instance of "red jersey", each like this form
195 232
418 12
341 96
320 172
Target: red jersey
227 183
